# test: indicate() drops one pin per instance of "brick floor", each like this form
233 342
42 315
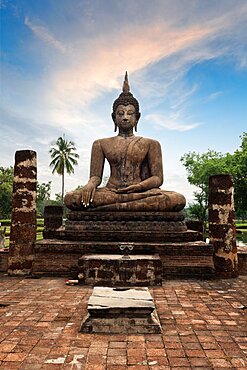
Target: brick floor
203 327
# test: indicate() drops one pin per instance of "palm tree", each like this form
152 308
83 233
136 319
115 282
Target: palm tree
63 157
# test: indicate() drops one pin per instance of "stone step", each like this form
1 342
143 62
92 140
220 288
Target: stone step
149 235
94 215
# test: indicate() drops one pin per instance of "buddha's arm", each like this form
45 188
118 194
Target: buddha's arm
156 171
96 171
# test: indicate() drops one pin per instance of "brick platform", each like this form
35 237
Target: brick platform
181 259
204 327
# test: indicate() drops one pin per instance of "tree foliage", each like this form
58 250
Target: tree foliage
6 189
43 197
200 166
64 158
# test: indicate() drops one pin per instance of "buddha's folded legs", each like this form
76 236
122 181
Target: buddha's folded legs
151 200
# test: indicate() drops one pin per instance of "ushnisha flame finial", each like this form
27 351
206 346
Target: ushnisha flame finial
126 87
126 98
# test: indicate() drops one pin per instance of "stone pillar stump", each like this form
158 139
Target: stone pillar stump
222 229
23 220
53 219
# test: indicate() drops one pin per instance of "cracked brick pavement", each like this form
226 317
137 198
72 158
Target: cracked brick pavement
204 327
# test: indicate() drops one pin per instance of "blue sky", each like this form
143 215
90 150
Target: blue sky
63 62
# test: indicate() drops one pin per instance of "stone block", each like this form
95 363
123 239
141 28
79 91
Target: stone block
121 311
118 270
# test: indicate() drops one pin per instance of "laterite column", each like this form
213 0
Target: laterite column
23 221
222 229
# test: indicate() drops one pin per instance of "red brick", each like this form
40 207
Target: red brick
15 357
194 353
218 363
178 361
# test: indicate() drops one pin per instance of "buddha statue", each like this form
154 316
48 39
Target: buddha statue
136 171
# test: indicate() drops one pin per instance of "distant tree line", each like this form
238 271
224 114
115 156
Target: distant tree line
200 166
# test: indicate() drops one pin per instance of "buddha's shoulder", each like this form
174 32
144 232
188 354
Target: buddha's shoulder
104 141
149 141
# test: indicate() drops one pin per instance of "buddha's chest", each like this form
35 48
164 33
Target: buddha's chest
122 151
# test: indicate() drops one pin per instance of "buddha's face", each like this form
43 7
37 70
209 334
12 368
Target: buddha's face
125 117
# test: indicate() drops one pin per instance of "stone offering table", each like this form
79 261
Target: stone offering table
119 270
121 310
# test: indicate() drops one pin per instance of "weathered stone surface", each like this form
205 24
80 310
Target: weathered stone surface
242 260
121 325
126 227
120 293
125 311
95 215
58 257
223 182
196 226
123 232
117 270
4 261
53 220
222 230
23 221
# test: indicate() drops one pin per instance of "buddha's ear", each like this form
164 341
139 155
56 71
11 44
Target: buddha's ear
115 126
138 115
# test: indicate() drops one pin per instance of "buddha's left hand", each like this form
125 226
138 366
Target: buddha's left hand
136 188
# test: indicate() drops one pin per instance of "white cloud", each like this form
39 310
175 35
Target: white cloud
42 33
172 122
215 95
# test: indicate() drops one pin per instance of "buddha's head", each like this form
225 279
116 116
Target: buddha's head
126 99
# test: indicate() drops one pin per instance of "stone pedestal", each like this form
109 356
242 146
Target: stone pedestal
119 270
101 235
23 220
121 311
126 227
222 230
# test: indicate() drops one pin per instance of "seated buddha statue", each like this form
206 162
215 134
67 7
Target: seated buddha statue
136 171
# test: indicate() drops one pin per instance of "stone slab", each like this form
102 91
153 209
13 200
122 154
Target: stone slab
121 311
137 294
123 301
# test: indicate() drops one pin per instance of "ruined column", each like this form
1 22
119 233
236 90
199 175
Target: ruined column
222 229
23 220
53 219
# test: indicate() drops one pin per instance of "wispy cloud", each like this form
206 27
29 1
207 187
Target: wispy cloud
42 33
215 95
91 72
172 122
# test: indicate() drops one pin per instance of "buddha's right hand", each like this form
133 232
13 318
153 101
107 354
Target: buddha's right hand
88 192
